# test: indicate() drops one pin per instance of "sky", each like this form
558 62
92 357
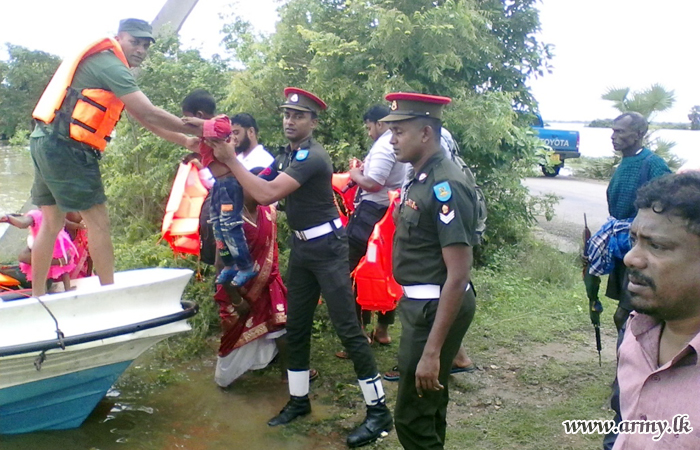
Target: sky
597 43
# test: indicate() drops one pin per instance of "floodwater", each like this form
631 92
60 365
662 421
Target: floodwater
16 178
191 413
595 142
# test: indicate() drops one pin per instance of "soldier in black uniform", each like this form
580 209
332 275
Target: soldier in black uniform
318 263
435 232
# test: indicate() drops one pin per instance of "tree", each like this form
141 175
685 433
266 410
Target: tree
23 79
646 102
351 53
694 118
138 168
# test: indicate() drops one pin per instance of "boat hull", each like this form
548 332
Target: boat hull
46 387
56 403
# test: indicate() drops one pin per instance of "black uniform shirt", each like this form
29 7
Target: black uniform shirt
312 204
438 208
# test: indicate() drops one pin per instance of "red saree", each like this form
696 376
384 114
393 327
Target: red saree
266 294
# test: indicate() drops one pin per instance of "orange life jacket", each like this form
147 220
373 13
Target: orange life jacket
341 185
377 290
181 221
91 114
8 281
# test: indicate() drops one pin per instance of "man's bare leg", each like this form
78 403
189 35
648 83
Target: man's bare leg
100 242
462 359
42 250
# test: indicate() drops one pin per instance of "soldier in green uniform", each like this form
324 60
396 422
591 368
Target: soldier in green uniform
318 263
435 232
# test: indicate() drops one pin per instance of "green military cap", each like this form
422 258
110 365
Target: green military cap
137 28
301 100
409 105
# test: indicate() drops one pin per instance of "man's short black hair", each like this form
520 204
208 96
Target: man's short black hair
375 113
245 120
432 122
674 194
638 122
199 100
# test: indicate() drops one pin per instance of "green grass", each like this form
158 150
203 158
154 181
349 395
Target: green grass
532 296
531 338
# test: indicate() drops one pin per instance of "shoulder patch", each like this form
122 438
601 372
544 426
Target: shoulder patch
302 155
442 191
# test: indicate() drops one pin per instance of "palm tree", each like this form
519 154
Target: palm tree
647 102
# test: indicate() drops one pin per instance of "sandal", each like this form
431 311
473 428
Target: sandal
469 369
313 374
392 375
342 354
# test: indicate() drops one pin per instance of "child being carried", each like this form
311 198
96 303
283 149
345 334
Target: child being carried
226 210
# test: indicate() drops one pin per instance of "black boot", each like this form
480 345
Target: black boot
295 407
377 421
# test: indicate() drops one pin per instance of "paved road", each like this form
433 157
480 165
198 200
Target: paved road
576 198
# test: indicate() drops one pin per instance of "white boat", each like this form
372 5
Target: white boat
60 355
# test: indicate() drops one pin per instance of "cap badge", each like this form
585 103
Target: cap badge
394 106
294 98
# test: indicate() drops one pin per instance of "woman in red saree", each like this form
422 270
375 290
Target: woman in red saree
252 321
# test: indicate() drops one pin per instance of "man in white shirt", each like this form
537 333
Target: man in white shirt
244 131
375 176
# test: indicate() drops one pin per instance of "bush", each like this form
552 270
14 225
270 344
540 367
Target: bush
20 139
152 252
594 168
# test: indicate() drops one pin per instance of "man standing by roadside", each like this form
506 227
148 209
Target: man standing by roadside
317 263
375 177
75 117
639 165
658 369
244 132
435 233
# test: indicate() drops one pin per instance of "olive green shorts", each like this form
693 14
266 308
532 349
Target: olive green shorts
65 176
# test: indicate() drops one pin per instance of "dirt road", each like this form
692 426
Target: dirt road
576 198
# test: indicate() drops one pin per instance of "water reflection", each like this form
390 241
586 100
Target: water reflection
595 142
16 177
191 413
